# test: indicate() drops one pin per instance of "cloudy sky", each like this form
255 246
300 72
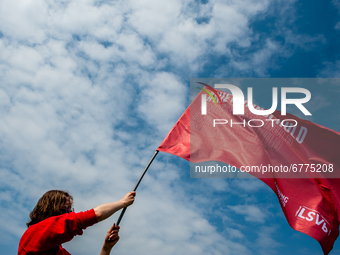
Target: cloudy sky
89 89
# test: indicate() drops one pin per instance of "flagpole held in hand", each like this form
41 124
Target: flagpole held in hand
137 184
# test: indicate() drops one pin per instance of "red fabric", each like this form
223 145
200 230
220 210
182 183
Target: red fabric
310 201
47 236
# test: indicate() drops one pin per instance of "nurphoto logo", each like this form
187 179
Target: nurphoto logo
238 99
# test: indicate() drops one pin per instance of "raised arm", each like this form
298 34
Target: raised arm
111 239
106 210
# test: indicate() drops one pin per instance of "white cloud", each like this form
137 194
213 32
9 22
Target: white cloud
175 31
249 185
252 213
330 70
162 100
23 20
235 233
266 242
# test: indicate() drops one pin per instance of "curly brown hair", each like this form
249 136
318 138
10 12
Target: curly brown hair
50 204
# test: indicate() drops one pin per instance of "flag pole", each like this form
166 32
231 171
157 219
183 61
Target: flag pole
137 184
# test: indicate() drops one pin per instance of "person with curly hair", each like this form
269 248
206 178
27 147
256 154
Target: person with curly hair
54 222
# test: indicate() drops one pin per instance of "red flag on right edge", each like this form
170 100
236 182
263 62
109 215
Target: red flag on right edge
298 159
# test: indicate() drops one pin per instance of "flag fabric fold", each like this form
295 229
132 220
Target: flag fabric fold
298 159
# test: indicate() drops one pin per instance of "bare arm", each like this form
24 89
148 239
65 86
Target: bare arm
111 239
106 210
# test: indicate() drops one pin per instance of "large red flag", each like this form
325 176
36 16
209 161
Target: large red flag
298 159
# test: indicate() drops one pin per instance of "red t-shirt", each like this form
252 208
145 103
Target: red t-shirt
46 237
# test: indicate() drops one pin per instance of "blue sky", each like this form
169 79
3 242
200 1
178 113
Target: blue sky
89 89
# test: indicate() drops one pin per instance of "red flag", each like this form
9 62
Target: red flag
298 159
